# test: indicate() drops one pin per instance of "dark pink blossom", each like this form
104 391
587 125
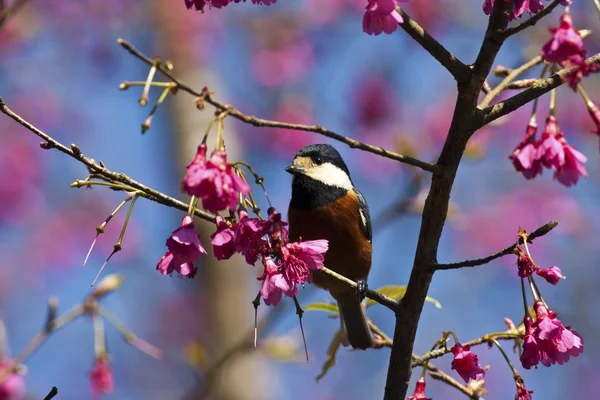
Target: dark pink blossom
199 5
553 274
275 283
248 237
524 263
419 393
565 43
381 16
547 340
519 7
523 393
524 157
581 70
299 259
213 181
184 248
466 363
13 387
101 378
223 240
573 166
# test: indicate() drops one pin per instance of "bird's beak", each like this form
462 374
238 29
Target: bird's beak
295 170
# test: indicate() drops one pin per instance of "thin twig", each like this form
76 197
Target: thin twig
541 231
440 375
53 392
40 338
542 87
102 171
508 79
508 335
457 68
205 95
371 294
7 13
533 20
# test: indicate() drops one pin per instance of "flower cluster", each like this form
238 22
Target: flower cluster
466 363
199 5
381 16
520 7
285 264
566 48
547 340
213 181
551 151
526 267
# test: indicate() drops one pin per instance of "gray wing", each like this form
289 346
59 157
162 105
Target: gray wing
365 216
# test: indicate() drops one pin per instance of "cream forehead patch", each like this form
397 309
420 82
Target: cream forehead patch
304 162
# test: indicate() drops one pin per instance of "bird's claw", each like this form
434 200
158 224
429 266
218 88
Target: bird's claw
361 289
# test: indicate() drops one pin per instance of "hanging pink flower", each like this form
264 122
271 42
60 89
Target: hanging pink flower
13 387
184 249
419 393
565 43
275 283
213 181
248 237
466 363
299 259
223 240
101 378
381 16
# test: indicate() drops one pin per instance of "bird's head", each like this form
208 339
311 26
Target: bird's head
321 163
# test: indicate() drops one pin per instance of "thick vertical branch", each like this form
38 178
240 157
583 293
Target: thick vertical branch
463 125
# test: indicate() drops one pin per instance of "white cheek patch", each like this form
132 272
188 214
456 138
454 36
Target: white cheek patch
330 175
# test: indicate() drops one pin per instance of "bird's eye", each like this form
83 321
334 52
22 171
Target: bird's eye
318 160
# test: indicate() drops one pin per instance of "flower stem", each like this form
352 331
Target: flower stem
513 369
524 297
585 97
208 128
191 207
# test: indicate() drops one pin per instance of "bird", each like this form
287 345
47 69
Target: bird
325 204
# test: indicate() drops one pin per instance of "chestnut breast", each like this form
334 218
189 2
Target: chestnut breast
339 222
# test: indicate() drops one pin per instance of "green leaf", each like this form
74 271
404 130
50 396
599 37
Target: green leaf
326 307
331 353
398 292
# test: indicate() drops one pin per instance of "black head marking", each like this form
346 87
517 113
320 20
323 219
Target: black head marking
322 153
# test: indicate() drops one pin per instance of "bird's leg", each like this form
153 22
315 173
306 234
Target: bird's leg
361 289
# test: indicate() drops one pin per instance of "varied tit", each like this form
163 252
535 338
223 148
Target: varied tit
326 205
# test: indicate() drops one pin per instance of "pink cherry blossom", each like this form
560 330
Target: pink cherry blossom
275 283
299 259
248 237
524 157
223 240
184 248
565 43
101 378
519 7
523 393
213 181
419 393
466 363
381 16
547 340
13 387
552 274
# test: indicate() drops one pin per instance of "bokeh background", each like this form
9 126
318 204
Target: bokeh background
298 61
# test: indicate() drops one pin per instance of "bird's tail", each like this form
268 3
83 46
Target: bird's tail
355 330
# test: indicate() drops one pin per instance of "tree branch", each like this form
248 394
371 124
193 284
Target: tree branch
533 20
464 120
101 171
459 71
541 231
542 87
371 294
507 335
205 95
508 79
440 375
